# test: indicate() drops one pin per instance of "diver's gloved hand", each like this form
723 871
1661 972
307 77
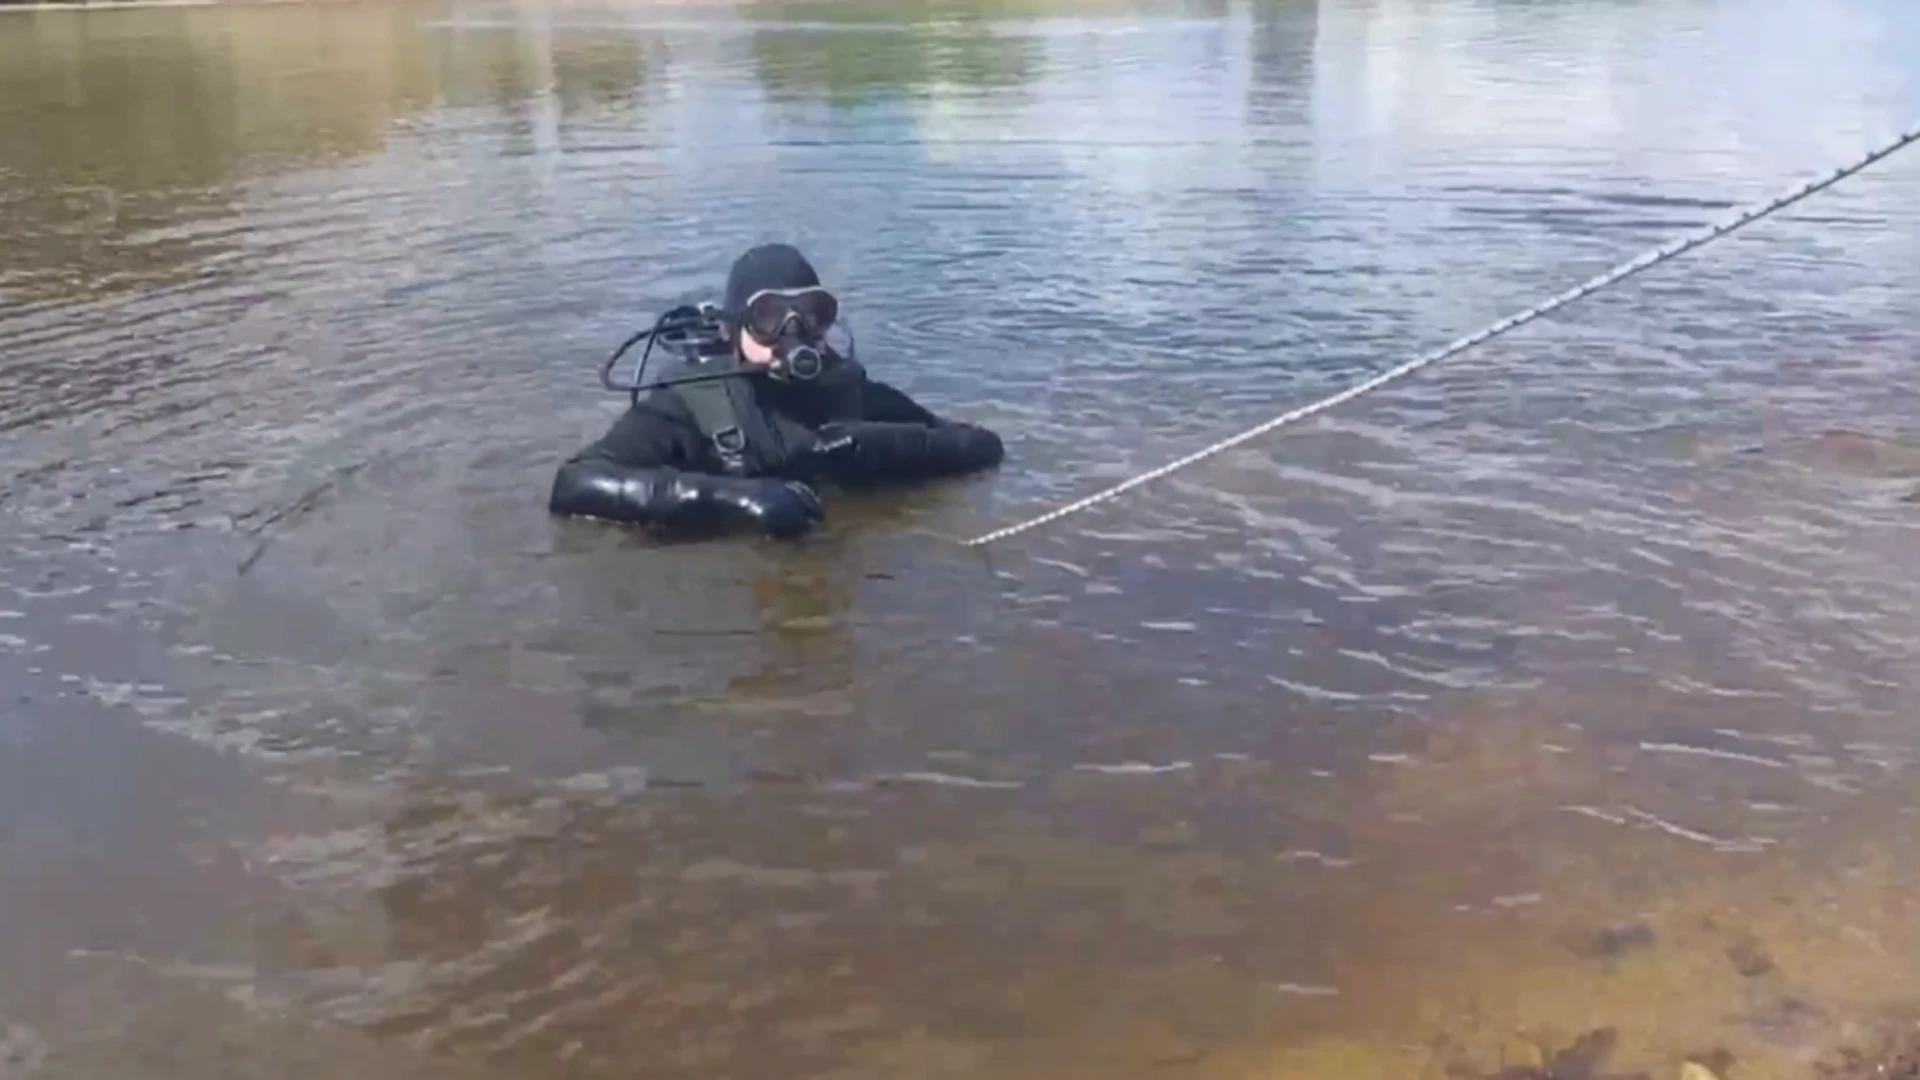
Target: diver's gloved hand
783 509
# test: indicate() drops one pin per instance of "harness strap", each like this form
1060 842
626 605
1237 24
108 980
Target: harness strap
729 417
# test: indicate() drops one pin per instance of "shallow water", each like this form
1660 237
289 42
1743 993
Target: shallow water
1567 689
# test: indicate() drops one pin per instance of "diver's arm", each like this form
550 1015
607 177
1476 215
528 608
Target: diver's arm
902 440
670 499
888 405
635 474
970 446
874 452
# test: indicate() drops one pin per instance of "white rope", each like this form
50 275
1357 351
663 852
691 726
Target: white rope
1658 255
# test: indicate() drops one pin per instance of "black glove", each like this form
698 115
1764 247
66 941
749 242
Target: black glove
674 500
784 509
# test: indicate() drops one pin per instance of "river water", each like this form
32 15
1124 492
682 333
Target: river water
1551 712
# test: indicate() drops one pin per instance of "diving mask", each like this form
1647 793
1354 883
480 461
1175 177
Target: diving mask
794 324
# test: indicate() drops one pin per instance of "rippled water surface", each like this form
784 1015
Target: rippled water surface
1561 702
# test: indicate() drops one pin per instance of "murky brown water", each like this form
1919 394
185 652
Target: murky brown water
1570 690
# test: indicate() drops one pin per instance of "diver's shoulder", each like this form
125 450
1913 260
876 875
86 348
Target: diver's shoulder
661 401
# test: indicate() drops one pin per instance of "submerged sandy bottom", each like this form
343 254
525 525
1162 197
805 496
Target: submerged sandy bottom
1501 895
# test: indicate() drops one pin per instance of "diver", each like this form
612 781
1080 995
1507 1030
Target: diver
762 411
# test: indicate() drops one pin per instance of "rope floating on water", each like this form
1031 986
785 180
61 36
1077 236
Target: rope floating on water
1658 255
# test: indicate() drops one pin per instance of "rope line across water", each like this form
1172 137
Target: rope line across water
1678 246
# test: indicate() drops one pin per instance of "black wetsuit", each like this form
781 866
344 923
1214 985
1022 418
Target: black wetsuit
657 466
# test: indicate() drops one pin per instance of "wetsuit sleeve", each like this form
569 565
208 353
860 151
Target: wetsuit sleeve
642 472
901 440
888 405
648 436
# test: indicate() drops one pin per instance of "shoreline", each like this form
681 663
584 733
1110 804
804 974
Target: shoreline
130 5
113 5
8 7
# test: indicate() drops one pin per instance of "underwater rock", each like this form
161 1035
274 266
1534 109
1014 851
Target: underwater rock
1750 958
1896 1059
1582 1060
1619 938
